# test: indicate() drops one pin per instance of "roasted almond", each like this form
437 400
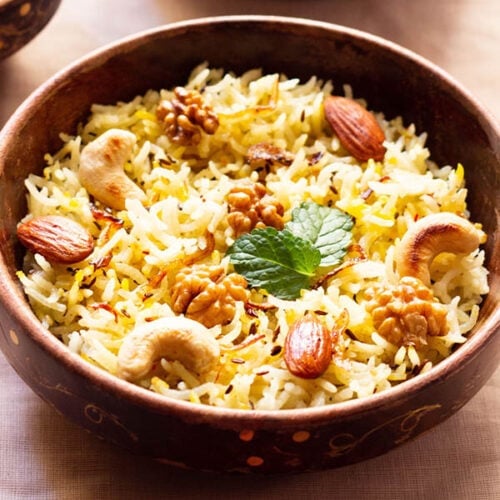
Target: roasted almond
308 347
57 238
357 128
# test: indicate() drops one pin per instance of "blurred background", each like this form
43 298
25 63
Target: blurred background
461 36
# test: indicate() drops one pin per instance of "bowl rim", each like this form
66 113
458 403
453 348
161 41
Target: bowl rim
18 307
38 19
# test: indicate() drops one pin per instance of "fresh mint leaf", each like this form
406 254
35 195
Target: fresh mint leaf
283 262
328 229
277 261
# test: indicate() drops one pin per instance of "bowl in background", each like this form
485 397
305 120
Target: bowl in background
21 21
393 80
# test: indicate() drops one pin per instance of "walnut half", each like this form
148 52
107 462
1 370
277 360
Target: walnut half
407 313
250 206
207 295
185 116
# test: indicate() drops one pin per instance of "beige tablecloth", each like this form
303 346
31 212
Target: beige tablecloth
42 456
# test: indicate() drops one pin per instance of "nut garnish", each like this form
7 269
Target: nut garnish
357 128
265 154
308 347
57 238
185 116
206 294
430 236
174 338
405 314
250 206
102 171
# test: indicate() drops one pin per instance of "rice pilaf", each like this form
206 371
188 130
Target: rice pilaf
155 257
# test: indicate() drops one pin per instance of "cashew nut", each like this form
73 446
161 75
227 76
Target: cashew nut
101 169
175 338
430 236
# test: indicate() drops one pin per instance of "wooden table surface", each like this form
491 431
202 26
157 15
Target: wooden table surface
43 456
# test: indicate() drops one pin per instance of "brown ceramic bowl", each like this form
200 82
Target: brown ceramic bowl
393 80
21 21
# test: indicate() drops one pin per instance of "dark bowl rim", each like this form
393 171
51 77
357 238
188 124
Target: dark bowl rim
8 4
38 22
19 308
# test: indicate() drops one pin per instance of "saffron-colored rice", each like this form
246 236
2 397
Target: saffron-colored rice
186 188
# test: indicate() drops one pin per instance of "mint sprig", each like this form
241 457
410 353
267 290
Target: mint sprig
328 229
284 262
277 261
